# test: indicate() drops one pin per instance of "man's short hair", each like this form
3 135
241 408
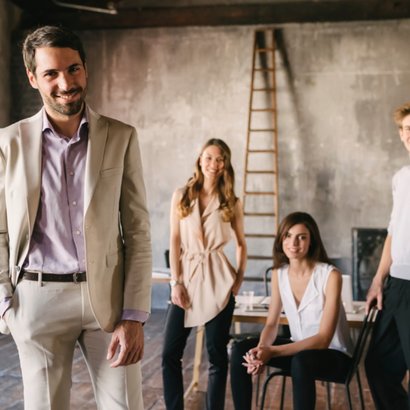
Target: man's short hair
401 112
50 36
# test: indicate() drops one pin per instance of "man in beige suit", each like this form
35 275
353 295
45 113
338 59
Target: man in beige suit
75 251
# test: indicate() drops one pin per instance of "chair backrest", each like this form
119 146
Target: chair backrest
361 342
367 247
266 280
166 254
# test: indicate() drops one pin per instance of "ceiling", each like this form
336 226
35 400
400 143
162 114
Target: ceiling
119 14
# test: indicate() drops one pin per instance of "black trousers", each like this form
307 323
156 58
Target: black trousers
304 367
388 357
217 338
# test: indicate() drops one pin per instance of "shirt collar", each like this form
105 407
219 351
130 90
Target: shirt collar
81 132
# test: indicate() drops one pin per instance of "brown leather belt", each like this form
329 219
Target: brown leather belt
53 277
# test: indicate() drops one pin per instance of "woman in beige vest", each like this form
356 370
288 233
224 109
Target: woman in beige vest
204 213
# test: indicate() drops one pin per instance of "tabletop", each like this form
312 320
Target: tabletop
258 312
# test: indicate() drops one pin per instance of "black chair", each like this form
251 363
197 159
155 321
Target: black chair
367 246
353 369
266 280
166 255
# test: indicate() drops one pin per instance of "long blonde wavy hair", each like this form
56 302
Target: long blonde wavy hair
224 187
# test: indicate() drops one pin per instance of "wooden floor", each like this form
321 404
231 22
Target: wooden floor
11 392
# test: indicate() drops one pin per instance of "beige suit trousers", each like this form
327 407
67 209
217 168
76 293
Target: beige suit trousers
47 321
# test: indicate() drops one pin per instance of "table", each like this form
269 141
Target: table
161 275
259 314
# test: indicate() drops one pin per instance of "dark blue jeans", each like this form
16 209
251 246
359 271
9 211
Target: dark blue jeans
217 338
304 367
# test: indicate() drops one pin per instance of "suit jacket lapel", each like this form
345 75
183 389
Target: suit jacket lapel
31 148
97 137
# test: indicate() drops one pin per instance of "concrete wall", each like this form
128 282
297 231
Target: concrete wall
337 87
4 64
9 17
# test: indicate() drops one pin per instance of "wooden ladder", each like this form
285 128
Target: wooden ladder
260 182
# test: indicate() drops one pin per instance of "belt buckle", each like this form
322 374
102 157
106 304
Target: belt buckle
76 277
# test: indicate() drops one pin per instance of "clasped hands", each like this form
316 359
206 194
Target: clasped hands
256 358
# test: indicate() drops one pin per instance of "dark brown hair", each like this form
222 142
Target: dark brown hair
50 36
316 252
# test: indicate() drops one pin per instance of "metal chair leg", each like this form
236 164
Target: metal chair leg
359 386
349 398
258 382
265 387
329 397
282 395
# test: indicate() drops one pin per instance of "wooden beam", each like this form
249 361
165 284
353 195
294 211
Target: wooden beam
265 14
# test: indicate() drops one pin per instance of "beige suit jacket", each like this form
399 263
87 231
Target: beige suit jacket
116 220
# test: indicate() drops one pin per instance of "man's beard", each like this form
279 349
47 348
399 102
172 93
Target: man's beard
71 108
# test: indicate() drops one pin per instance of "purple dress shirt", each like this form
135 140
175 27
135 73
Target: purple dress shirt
57 243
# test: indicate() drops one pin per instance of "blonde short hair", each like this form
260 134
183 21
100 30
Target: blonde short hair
400 113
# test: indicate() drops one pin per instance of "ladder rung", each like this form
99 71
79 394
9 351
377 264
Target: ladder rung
263 110
263 50
260 257
259 193
259 235
263 89
266 70
262 130
260 151
260 172
259 214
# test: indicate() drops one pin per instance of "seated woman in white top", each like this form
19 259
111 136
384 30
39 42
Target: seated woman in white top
308 289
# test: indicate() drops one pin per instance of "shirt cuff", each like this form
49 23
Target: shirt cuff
135 315
4 306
